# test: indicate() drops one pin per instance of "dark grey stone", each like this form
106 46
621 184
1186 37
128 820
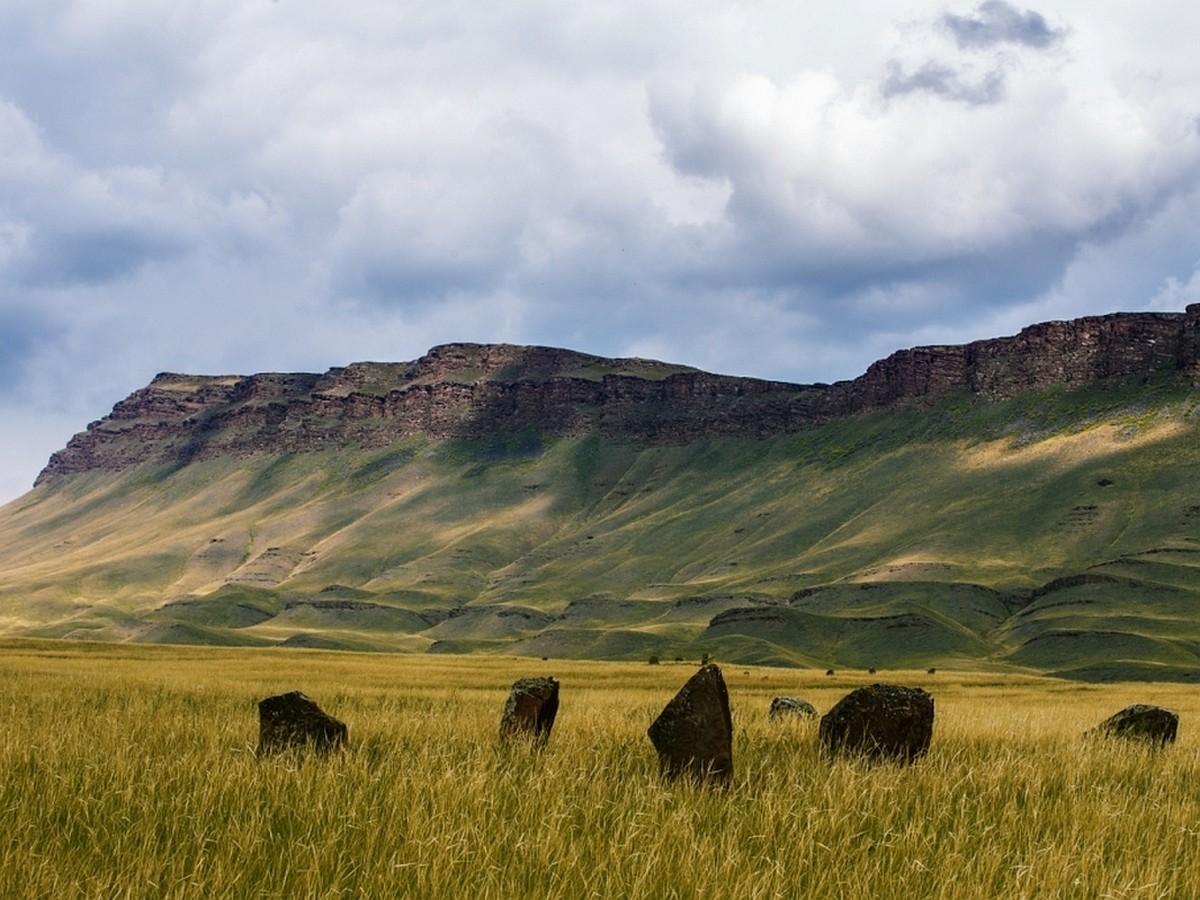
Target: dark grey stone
792 706
694 733
1150 724
530 710
879 722
293 721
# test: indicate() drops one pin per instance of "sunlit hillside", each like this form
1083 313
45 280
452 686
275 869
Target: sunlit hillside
1059 531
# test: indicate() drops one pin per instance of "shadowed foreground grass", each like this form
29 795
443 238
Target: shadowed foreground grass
130 772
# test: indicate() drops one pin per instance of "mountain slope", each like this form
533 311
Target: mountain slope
624 508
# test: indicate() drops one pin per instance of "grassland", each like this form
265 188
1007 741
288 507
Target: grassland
129 771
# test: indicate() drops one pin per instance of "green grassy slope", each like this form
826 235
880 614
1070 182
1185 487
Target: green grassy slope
1059 532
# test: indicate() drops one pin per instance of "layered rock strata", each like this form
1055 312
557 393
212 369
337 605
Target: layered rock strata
474 392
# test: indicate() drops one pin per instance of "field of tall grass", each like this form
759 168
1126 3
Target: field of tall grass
131 772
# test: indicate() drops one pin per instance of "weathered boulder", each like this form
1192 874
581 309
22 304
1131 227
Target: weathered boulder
293 721
782 707
1151 724
880 722
694 733
530 710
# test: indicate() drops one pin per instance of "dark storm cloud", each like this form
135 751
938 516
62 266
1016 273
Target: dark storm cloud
96 257
99 80
997 22
944 81
23 334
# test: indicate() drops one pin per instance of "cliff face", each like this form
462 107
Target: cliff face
471 391
1072 354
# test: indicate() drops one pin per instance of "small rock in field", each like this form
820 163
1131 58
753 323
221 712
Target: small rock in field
530 710
1140 722
792 706
293 721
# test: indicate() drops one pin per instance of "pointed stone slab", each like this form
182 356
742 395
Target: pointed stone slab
530 710
694 733
881 722
1150 724
293 721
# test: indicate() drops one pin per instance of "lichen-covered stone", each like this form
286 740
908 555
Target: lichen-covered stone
530 709
1151 724
882 722
786 707
694 733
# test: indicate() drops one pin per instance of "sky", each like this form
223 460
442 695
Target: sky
766 188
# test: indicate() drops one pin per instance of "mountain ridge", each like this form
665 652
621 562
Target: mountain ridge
471 391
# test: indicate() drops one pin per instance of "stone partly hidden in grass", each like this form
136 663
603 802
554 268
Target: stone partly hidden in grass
694 733
882 722
293 721
530 710
791 707
1151 724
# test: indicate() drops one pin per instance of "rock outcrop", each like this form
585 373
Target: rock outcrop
475 392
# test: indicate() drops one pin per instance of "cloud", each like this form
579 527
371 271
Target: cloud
835 192
764 188
947 82
965 77
997 22
63 223
23 334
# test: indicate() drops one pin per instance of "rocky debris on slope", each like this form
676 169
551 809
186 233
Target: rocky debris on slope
473 391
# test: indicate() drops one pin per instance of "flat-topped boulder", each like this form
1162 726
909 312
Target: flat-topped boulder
1140 722
880 722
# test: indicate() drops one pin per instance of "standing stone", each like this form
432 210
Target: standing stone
782 707
880 722
530 710
293 721
1140 722
694 733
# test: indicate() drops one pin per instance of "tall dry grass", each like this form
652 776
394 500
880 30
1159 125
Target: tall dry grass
131 773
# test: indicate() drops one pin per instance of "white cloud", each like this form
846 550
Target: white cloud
765 188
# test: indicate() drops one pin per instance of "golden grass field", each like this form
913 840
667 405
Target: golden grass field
131 772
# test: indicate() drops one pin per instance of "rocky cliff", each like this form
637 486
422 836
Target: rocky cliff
473 391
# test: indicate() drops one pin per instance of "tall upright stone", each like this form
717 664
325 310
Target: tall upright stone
293 721
879 722
694 733
530 709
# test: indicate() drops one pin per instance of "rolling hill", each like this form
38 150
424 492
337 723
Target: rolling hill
1026 502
